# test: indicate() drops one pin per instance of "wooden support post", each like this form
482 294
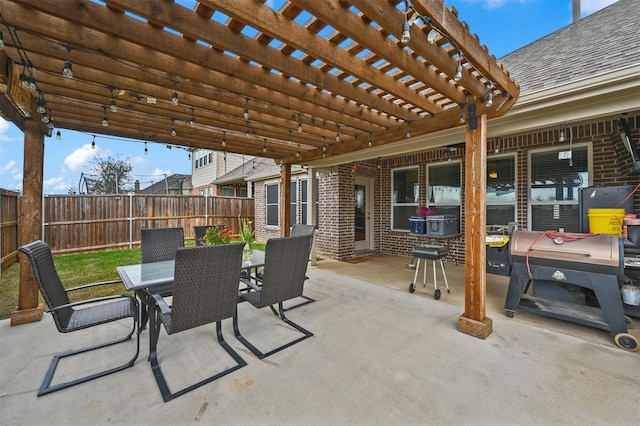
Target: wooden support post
474 320
30 223
285 200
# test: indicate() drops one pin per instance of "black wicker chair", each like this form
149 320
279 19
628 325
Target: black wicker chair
70 317
283 279
157 245
301 229
205 290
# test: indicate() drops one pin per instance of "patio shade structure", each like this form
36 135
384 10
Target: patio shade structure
292 80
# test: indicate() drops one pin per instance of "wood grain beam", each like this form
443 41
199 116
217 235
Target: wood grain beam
474 320
223 38
262 18
261 85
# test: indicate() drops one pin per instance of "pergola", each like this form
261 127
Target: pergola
294 80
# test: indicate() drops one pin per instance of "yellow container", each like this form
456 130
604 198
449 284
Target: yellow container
606 221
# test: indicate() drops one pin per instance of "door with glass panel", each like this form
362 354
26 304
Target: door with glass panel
362 214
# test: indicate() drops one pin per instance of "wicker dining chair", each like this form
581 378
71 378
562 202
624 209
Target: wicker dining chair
205 289
157 245
302 229
283 279
79 315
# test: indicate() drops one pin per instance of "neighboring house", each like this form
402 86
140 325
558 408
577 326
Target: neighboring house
207 166
267 199
174 185
561 135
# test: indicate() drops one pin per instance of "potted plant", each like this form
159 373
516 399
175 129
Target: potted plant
247 234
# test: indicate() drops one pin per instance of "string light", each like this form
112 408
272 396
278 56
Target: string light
146 151
246 109
264 145
224 138
247 133
41 109
338 133
58 135
67 71
458 75
193 117
93 142
490 95
370 138
298 151
463 118
299 123
173 128
113 106
174 96
105 122
408 129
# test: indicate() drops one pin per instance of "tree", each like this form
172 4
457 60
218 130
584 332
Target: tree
110 176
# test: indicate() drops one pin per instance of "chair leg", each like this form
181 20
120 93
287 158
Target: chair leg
45 388
256 351
167 395
297 305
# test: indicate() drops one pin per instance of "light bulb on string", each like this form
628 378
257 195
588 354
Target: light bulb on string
174 95
67 69
146 151
193 117
246 109
173 128
58 135
105 121
224 138
93 142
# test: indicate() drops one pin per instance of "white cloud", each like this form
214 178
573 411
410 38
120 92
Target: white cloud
80 158
18 177
589 6
160 173
8 168
494 4
53 181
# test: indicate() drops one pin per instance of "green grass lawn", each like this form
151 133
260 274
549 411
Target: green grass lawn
75 270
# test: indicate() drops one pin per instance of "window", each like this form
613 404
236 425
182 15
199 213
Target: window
273 196
228 191
303 201
444 188
210 157
244 192
404 197
554 184
501 190
293 204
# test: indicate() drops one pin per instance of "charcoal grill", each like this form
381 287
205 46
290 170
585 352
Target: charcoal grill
573 277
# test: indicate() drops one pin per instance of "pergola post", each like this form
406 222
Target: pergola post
474 320
285 200
30 222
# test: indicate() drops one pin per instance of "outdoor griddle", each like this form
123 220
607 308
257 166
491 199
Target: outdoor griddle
573 277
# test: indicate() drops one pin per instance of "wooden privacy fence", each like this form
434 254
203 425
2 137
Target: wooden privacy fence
9 226
77 223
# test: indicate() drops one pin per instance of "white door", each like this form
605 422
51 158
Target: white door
363 214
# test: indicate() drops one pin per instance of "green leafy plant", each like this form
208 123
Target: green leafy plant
247 233
217 236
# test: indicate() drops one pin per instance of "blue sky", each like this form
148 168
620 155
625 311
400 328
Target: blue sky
502 25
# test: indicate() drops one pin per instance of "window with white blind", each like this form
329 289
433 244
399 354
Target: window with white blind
272 198
405 197
303 201
554 181
294 203
501 190
444 188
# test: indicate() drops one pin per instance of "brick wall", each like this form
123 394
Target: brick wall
335 237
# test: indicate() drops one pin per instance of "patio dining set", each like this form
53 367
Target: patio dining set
180 288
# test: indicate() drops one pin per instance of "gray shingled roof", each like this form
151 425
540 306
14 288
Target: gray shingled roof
240 173
175 183
604 41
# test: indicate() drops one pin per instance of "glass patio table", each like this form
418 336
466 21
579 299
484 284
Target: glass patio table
145 276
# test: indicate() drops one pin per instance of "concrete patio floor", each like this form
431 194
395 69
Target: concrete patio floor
380 355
